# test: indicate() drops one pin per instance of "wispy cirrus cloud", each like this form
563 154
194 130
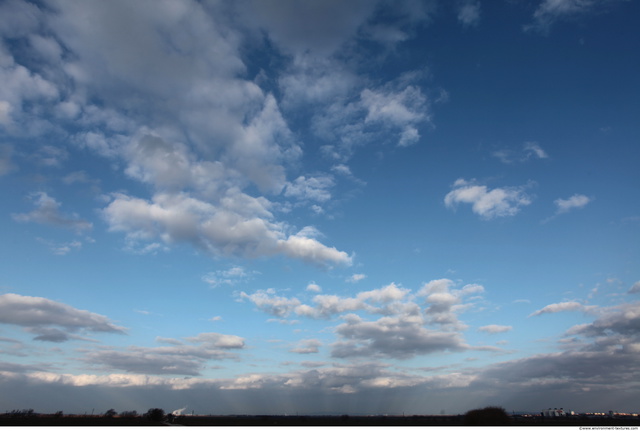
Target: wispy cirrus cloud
181 357
307 346
560 307
495 329
550 11
529 150
234 275
356 278
48 212
577 201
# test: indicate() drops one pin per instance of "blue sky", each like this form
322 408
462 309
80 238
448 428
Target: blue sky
319 207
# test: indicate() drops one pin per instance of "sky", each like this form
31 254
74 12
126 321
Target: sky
319 207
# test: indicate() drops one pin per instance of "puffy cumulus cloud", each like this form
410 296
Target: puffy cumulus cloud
576 201
51 320
179 358
445 302
469 13
559 307
402 330
495 329
23 90
487 203
392 337
199 141
356 278
386 300
312 188
239 226
311 250
214 144
402 109
267 301
622 319
313 287
349 110
48 212
311 80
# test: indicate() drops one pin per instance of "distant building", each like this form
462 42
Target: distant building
553 413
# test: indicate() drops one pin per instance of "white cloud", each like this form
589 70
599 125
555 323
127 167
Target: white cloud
219 136
469 13
234 275
576 201
51 320
635 288
445 302
487 203
311 188
530 150
393 337
559 307
239 226
47 212
495 329
388 336
356 278
550 11
61 249
622 320
533 149
178 358
266 301
313 287
401 109
307 346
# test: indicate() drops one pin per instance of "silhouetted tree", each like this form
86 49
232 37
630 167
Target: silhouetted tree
129 414
110 413
155 414
487 416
